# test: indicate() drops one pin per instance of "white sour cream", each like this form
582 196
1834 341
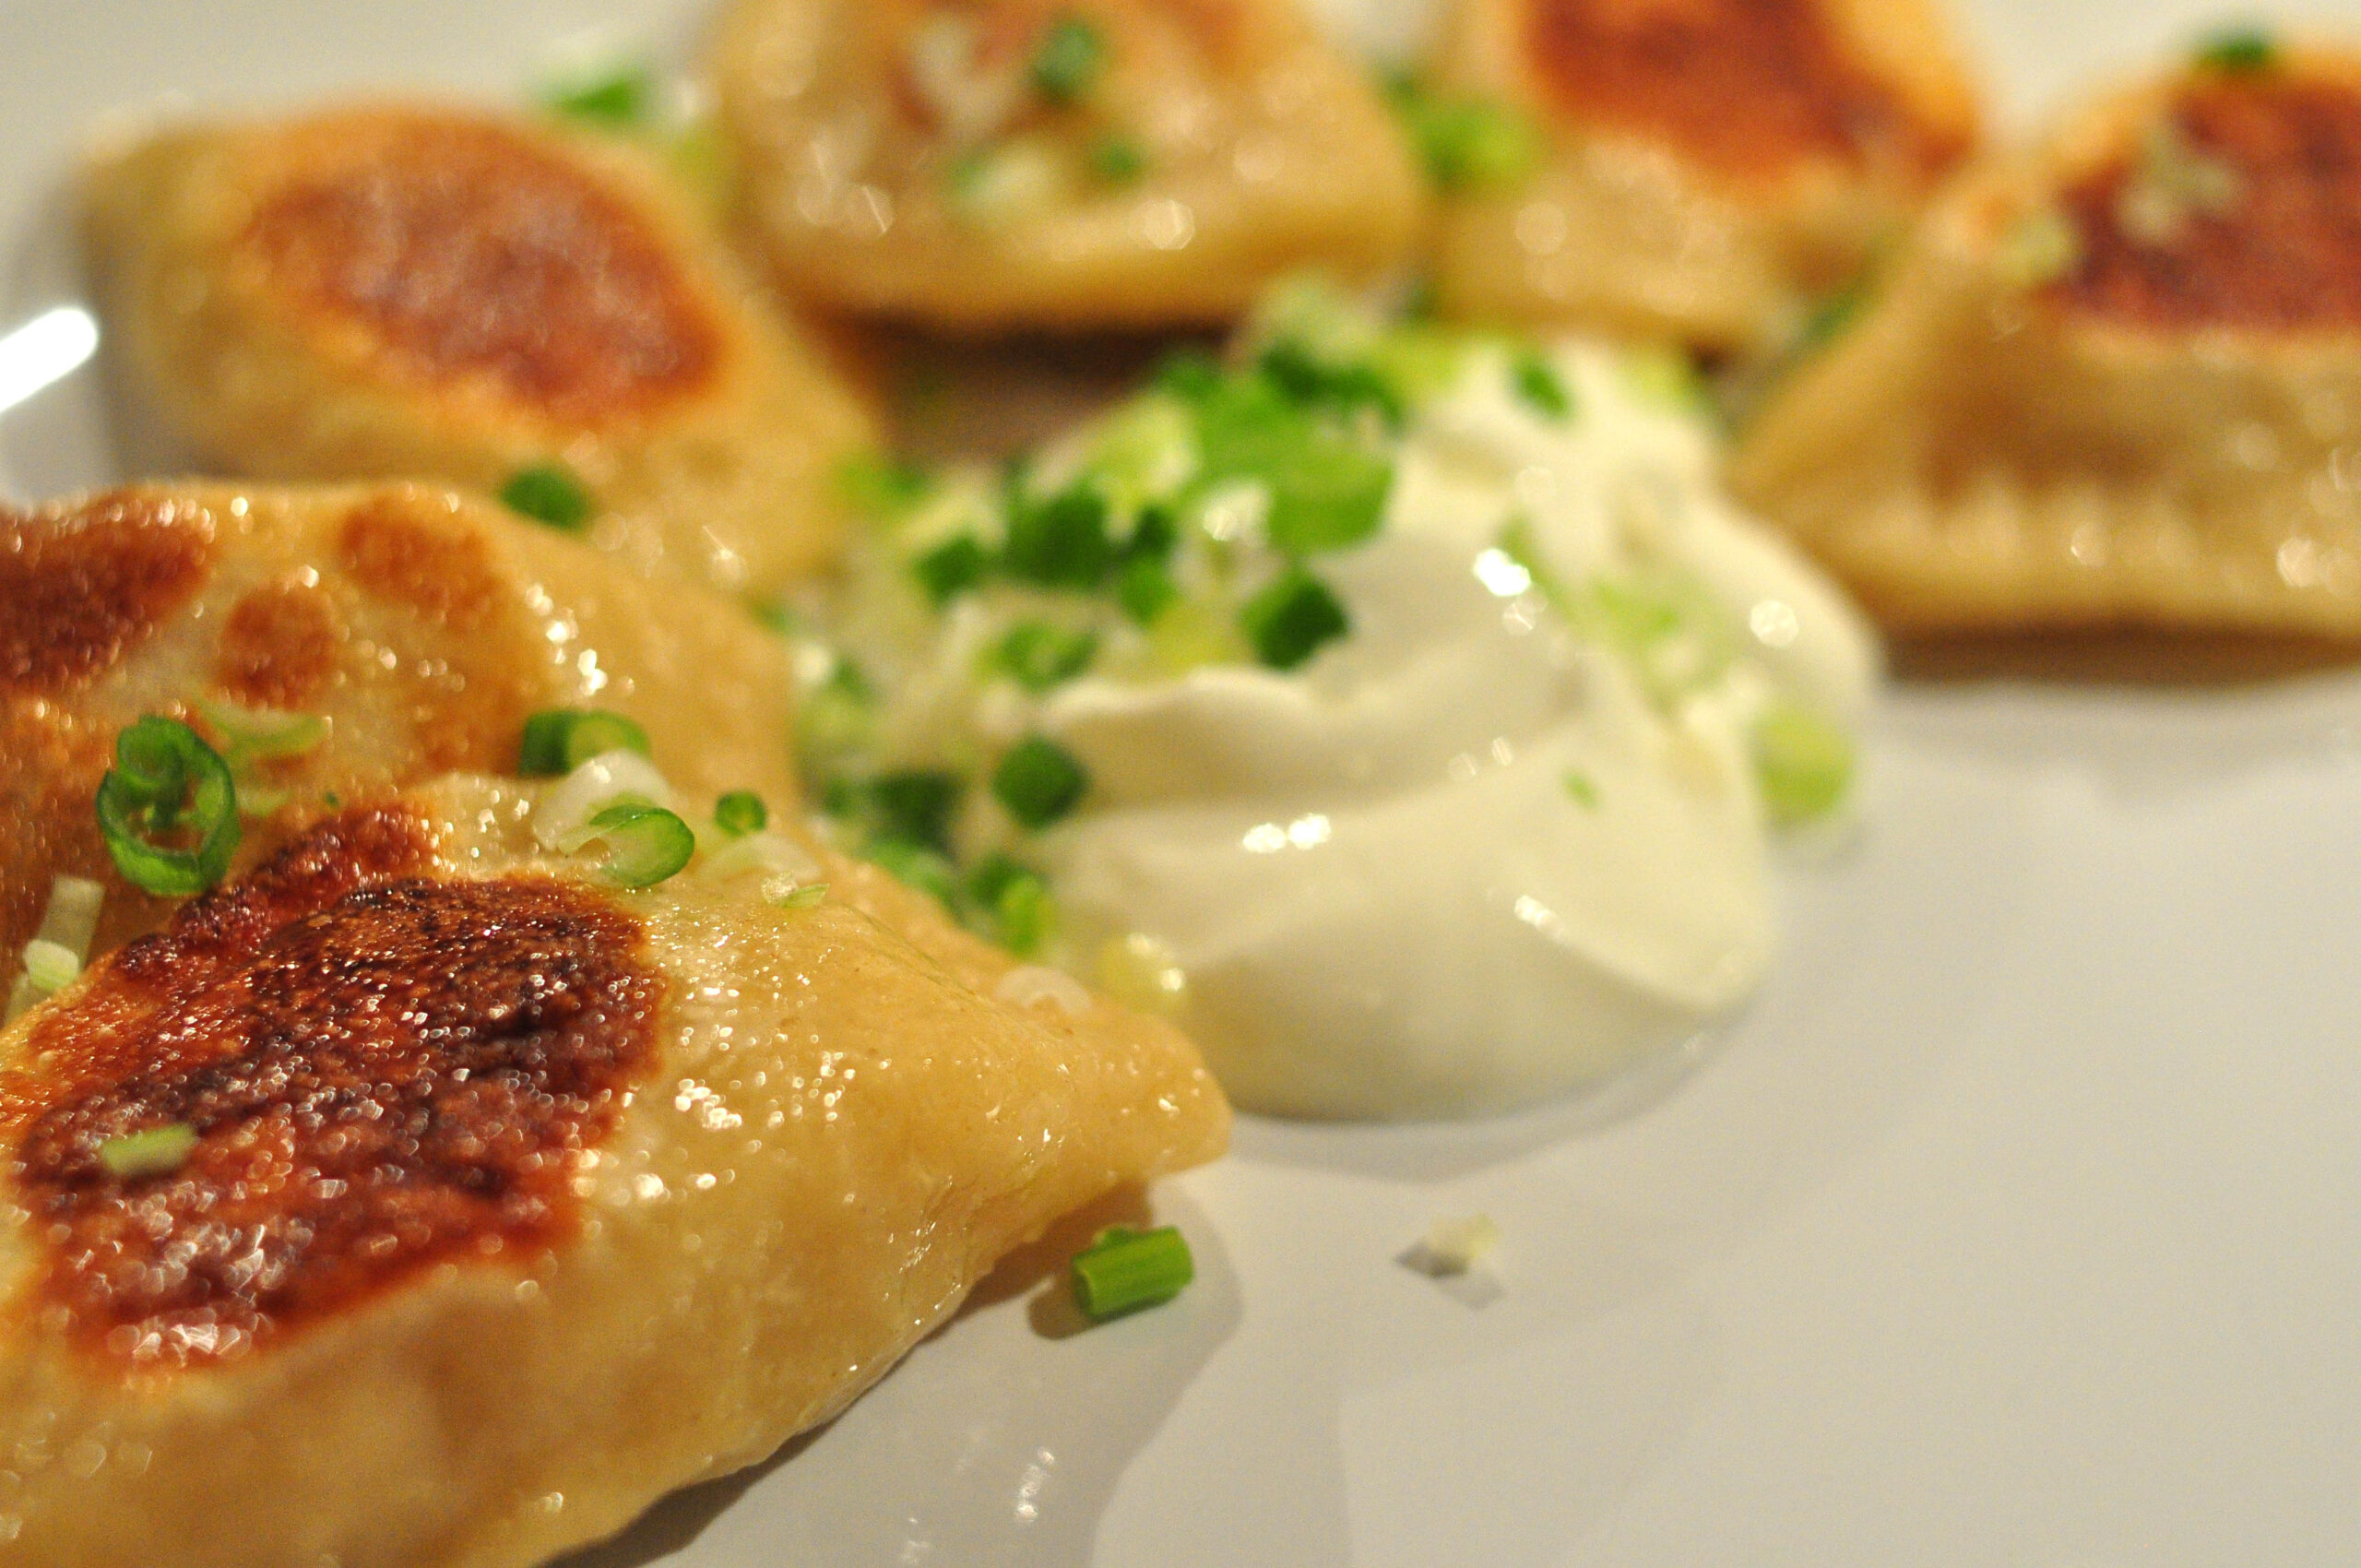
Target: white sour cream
1468 856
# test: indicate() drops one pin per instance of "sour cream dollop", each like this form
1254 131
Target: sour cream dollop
1498 837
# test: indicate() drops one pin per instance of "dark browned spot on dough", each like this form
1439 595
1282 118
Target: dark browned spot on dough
470 252
81 588
1747 87
2280 249
279 645
384 1070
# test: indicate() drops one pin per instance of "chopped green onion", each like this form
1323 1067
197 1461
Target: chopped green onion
1467 143
168 809
1289 620
559 740
1667 378
740 812
252 735
1040 782
1059 542
1537 382
1038 656
883 488
1070 56
1580 789
1143 589
835 719
622 96
1119 160
951 568
1327 492
1014 901
1154 535
777 616
1831 316
1803 762
645 844
155 1151
548 494
59 948
915 805
1123 1270
809 896
1311 380
2238 50
926 870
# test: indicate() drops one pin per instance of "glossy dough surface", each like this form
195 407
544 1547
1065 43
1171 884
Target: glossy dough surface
405 291
423 626
2117 381
900 160
516 1201
1713 167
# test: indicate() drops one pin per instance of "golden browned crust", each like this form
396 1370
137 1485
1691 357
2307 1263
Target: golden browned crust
467 252
81 588
382 1071
421 629
2283 250
1748 89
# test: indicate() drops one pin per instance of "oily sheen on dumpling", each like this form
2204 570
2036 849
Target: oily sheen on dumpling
424 628
1709 169
2117 380
1015 163
400 291
514 1200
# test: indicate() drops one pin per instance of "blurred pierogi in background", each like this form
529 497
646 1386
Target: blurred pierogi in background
1704 170
2116 381
397 290
1019 163
331 642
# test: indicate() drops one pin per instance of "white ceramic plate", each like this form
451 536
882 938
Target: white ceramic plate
2018 1223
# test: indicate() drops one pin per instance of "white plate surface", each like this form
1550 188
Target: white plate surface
2018 1223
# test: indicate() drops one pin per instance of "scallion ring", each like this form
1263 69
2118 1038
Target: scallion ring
559 740
645 844
740 812
168 809
1123 1270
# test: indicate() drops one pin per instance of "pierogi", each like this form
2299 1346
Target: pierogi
2115 382
499 1200
1018 163
1710 169
355 639
397 290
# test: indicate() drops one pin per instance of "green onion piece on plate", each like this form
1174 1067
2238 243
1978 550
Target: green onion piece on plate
168 809
1059 542
548 494
1072 55
156 1151
1289 621
1123 1270
1040 782
740 812
645 844
559 740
